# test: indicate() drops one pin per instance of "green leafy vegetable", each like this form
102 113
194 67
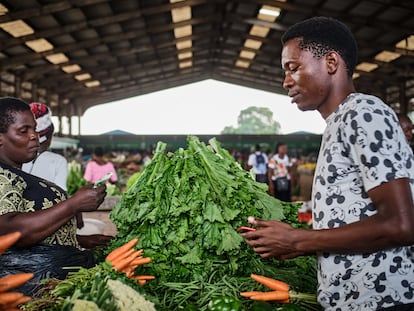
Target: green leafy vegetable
185 207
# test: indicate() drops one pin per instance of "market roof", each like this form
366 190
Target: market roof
74 54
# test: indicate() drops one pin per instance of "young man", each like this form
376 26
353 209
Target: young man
363 211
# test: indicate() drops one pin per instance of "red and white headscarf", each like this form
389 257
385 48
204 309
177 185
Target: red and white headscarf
44 122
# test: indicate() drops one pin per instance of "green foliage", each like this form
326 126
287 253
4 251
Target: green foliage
184 208
254 120
75 178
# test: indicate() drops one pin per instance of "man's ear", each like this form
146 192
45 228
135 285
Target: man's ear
332 61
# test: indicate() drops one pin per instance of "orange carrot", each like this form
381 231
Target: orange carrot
9 297
271 296
20 301
271 283
123 264
23 300
122 249
130 262
122 256
249 294
141 261
14 280
143 277
8 240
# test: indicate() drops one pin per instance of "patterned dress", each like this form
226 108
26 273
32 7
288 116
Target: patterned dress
363 146
22 192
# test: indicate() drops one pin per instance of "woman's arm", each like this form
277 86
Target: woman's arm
38 225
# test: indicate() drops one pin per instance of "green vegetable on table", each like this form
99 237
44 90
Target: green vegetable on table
185 207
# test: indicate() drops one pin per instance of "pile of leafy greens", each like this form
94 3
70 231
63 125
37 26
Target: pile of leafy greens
185 208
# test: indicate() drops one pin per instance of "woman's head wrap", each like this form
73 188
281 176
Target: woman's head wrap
44 122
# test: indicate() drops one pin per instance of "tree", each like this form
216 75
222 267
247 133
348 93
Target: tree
254 120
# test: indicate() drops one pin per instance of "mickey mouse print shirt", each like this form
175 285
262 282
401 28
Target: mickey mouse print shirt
362 147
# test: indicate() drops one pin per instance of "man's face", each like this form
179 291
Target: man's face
306 77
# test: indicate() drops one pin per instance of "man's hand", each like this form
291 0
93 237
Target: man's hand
271 239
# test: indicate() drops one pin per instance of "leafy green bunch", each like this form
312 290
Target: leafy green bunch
185 208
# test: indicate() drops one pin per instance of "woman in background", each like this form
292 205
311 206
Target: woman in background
98 167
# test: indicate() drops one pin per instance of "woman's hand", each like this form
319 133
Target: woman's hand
88 198
93 240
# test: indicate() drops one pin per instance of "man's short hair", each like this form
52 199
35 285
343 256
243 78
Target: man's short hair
320 35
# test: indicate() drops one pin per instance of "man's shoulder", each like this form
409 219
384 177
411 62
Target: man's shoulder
364 101
53 155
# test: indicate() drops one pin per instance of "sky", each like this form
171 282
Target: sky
205 107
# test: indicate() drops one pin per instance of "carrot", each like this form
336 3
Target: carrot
122 249
271 296
143 277
14 280
249 294
271 283
8 240
141 261
130 262
9 297
122 265
17 302
122 256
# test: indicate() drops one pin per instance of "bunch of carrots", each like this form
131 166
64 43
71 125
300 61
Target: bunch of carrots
126 259
9 301
279 292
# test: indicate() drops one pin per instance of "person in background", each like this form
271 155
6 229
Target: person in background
406 125
47 164
37 208
98 167
257 162
279 178
362 197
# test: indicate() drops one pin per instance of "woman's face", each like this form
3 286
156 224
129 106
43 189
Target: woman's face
20 143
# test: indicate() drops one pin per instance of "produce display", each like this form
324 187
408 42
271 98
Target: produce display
178 244
10 300
185 208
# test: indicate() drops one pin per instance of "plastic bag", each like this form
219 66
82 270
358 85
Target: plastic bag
44 261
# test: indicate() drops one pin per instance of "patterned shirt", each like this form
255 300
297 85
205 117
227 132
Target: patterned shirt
362 147
22 192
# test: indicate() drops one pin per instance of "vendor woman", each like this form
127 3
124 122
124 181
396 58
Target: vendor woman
40 210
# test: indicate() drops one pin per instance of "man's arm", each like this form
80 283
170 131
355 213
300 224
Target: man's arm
392 226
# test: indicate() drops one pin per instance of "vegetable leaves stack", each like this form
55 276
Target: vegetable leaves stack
185 208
